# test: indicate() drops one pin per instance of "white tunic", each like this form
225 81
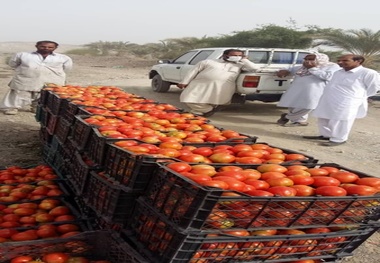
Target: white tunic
305 91
213 81
32 71
346 95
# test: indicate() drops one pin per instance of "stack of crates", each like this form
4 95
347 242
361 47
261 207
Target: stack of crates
178 220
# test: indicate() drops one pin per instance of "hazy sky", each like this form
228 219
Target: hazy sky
145 21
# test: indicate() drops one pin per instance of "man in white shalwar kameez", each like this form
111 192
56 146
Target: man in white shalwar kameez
306 89
213 82
345 98
32 71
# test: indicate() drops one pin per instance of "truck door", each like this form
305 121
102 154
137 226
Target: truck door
172 72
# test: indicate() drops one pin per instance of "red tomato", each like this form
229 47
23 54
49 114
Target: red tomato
205 151
59 211
344 177
222 158
248 160
317 172
7 233
251 173
192 158
259 193
300 179
65 228
215 183
258 184
329 190
271 167
271 175
64 218
46 233
294 157
233 184
361 190
304 190
370 181
282 191
325 180
25 235
78 260
56 258
21 259
238 175
280 182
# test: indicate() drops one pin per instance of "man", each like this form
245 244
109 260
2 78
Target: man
345 98
306 89
32 71
213 82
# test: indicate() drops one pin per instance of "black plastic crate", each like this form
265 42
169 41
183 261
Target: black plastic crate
45 137
190 205
97 146
161 242
81 132
55 104
63 129
41 114
62 160
52 122
44 94
78 175
89 244
109 199
131 170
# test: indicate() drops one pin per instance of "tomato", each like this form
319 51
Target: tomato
215 183
46 232
300 179
24 211
238 175
304 190
21 259
294 157
317 230
280 182
317 171
65 228
250 153
56 258
330 190
203 169
59 211
205 151
370 181
25 235
222 158
325 180
344 177
271 175
8 232
64 218
282 191
271 168
78 260
259 193
233 184
363 190
258 184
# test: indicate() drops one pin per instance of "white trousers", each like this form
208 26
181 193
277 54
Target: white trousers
200 108
298 115
17 99
336 130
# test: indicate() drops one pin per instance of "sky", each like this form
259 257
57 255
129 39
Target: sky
149 21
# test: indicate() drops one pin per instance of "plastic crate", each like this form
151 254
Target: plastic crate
162 242
131 170
109 199
41 114
44 136
44 94
63 129
52 122
79 173
62 161
190 205
89 244
81 132
97 146
55 104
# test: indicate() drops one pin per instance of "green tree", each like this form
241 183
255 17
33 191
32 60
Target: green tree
363 42
269 36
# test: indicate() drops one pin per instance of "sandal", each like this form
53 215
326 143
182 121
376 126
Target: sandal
283 120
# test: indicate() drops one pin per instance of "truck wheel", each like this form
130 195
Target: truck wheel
158 85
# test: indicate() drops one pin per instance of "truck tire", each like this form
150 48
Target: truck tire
159 85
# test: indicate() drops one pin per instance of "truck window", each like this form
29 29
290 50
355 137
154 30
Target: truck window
301 56
201 56
261 57
184 58
282 57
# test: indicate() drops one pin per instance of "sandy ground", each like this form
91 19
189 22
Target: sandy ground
20 145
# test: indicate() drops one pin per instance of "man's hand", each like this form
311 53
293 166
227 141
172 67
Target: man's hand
181 86
282 73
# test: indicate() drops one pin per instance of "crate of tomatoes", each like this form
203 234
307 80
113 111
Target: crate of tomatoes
83 247
161 241
210 197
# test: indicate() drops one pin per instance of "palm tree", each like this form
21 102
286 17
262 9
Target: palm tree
363 42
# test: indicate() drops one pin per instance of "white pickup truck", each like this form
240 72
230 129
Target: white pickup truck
263 85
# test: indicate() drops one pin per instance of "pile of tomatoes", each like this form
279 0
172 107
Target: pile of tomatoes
57 257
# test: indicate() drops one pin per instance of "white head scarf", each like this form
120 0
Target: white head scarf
321 60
